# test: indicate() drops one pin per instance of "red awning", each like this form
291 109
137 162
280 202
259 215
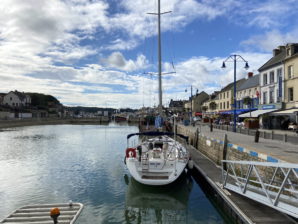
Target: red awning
198 114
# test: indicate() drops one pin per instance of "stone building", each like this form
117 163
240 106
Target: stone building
291 76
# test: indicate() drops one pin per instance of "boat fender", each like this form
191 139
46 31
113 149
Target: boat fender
190 164
54 213
131 152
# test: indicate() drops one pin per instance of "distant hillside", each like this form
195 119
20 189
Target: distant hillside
41 100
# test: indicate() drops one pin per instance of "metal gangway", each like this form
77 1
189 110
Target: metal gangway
272 184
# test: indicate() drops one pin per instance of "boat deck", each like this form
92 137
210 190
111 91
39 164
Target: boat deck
40 214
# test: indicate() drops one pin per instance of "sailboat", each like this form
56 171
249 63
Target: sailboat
159 159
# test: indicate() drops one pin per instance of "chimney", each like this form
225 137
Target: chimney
250 74
275 52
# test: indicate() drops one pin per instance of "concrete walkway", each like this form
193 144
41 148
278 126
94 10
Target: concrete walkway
283 151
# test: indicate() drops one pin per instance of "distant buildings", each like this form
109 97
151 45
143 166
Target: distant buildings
16 99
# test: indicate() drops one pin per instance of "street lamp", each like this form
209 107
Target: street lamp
191 101
235 58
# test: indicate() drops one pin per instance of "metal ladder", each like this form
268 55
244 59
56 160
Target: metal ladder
145 163
272 184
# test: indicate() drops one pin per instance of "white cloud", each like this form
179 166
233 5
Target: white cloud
270 40
117 60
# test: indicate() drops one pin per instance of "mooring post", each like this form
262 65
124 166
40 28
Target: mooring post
257 136
197 138
211 125
224 151
285 138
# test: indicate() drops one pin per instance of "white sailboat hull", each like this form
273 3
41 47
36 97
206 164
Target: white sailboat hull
160 165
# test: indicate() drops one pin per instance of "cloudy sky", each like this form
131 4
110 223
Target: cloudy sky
104 52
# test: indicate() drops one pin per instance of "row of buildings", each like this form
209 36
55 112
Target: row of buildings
15 104
272 94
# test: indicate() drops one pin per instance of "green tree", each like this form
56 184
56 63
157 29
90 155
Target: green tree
204 108
212 105
247 101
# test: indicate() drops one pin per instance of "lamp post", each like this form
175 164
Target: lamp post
191 100
235 58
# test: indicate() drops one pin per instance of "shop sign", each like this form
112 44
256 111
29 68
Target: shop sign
267 107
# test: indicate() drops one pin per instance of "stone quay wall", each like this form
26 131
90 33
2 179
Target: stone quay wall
221 149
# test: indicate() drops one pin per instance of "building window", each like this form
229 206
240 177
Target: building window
220 105
288 51
228 105
291 94
271 96
227 94
10 98
224 95
272 77
277 96
290 71
265 79
224 105
264 97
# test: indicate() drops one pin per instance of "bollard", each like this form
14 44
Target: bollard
257 136
211 126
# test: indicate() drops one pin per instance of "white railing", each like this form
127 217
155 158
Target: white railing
272 184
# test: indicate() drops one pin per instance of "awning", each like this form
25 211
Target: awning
238 111
256 113
198 114
286 112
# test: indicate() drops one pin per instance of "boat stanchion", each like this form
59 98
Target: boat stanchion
55 212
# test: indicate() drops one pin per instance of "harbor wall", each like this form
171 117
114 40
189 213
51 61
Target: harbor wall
221 149
51 121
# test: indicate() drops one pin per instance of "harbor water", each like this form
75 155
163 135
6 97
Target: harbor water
84 163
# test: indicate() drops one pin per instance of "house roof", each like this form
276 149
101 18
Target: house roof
250 82
274 61
231 85
21 96
176 103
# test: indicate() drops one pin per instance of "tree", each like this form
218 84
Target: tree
204 108
212 105
247 101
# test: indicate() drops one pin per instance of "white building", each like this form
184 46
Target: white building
16 99
272 80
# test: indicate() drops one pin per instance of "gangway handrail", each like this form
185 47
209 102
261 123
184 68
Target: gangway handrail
272 164
269 183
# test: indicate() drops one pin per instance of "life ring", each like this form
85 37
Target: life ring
131 152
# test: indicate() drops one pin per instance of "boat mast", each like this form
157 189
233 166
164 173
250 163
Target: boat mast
159 63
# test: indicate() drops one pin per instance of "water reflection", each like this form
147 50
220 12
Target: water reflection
150 204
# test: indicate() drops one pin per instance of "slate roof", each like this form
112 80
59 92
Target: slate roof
176 103
250 82
274 61
21 96
231 85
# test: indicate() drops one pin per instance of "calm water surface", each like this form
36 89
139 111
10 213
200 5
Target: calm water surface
84 163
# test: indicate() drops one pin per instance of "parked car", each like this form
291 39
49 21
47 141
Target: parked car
293 126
